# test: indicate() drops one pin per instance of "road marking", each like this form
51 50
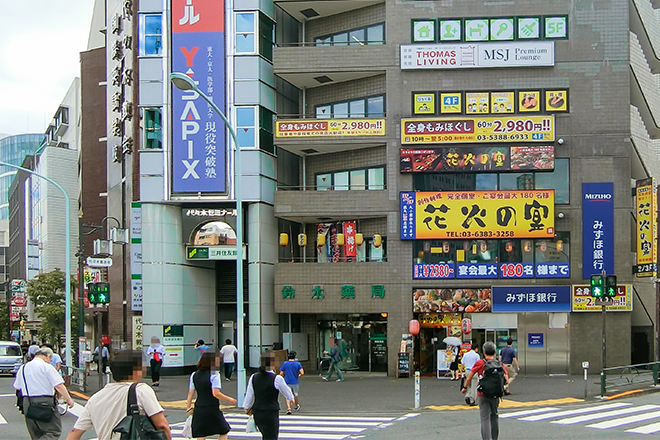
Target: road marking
527 413
574 412
509 404
604 415
648 429
7 395
625 420
2 420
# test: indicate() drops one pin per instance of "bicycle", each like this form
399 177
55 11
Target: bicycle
62 406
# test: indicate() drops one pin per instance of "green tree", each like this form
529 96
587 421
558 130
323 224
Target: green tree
46 294
4 320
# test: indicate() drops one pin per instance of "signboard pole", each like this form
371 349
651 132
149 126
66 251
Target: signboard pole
416 389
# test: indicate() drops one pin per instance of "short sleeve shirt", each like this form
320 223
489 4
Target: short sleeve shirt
507 353
106 408
215 381
41 378
478 370
291 371
228 352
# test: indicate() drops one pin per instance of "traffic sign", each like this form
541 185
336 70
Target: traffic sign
18 285
99 262
19 301
15 316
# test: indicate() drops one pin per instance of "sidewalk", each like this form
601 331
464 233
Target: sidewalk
376 393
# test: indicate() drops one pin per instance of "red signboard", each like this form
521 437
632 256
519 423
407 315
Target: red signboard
349 233
19 301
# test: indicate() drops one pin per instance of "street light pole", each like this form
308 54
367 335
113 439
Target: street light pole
183 82
67 259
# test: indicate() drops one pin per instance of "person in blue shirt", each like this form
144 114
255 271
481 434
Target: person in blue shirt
291 370
201 347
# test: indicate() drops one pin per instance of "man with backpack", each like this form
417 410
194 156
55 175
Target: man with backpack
493 377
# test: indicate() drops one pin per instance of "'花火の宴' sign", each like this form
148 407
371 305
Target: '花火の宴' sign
477 214
478 129
646 204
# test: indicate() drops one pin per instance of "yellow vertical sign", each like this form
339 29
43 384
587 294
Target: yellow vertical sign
646 204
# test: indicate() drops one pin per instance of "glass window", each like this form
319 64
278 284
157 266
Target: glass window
245 41
356 37
266 37
323 112
323 182
557 180
376 178
340 110
510 251
376 107
516 181
245 22
246 126
478 251
356 108
376 253
341 181
376 34
555 250
486 182
323 41
151 34
358 180
153 128
340 39
435 251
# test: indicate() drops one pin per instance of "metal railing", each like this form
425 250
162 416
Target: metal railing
343 187
78 377
330 44
628 375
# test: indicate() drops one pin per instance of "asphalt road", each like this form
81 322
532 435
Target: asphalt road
615 419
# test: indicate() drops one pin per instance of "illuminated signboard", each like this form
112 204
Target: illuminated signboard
478 129
477 214
584 302
478 55
646 204
330 128
198 133
481 159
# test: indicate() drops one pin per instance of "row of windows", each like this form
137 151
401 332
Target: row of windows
364 252
557 180
374 34
358 179
368 107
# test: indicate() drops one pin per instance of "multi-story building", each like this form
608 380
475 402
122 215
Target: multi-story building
492 150
13 149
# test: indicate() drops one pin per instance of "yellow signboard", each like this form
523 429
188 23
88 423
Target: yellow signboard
451 103
477 102
502 102
478 129
480 214
330 128
646 204
424 103
556 101
584 302
529 101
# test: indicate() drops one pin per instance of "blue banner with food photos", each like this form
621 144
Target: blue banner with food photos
521 299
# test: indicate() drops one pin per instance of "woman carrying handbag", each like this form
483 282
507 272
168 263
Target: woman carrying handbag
261 397
207 418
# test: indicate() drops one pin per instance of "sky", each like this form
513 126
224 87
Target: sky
40 42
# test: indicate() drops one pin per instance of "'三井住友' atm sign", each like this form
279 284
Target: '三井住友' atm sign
477 214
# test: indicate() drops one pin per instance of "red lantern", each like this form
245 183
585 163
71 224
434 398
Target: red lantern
413 327
466 325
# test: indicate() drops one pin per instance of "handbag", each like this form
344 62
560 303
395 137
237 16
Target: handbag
39 408
136 426
250 426
187 428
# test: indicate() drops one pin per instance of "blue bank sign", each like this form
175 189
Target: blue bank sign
516 299
597 228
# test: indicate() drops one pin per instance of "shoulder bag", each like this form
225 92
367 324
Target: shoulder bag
39 408
136 426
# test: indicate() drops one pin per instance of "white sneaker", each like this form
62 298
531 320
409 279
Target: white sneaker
340 380
228 379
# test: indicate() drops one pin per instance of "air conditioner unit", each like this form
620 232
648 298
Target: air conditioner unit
102 248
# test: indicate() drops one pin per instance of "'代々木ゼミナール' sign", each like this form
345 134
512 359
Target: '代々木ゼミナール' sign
478 55
484 129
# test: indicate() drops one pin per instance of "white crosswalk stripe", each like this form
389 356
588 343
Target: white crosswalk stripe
303 427
601 416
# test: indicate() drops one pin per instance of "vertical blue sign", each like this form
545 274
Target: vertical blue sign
597 228
198 133
407 215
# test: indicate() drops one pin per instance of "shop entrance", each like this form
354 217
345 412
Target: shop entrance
363 341
430 341
499 336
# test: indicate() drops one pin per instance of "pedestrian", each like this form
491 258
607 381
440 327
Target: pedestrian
37 381
292 370
107 407
335 358
201 347
453 366
261 397
468 361
32 349
105 354
55 360
207 417
229 352
488 404
510 361
155 353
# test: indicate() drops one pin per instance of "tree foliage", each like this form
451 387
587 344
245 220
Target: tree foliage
46 294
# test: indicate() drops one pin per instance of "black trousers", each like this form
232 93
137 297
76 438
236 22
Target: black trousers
155 370
268 422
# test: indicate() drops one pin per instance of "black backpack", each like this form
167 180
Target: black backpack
492 383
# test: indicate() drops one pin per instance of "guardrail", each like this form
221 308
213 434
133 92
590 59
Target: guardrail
78 377
628 375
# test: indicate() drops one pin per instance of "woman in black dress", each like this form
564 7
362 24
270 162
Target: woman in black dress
207 417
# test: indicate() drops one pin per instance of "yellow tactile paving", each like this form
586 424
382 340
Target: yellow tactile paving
509 404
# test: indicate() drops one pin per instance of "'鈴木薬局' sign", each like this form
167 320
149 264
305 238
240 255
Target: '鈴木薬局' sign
476 55
478 129
330 127
477 214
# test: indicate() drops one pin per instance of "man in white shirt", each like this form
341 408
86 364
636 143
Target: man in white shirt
38 381
228 352
106 408
468 361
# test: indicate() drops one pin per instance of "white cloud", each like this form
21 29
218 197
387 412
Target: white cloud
40 42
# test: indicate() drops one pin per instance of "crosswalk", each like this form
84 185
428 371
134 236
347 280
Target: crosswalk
620 415
309 427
